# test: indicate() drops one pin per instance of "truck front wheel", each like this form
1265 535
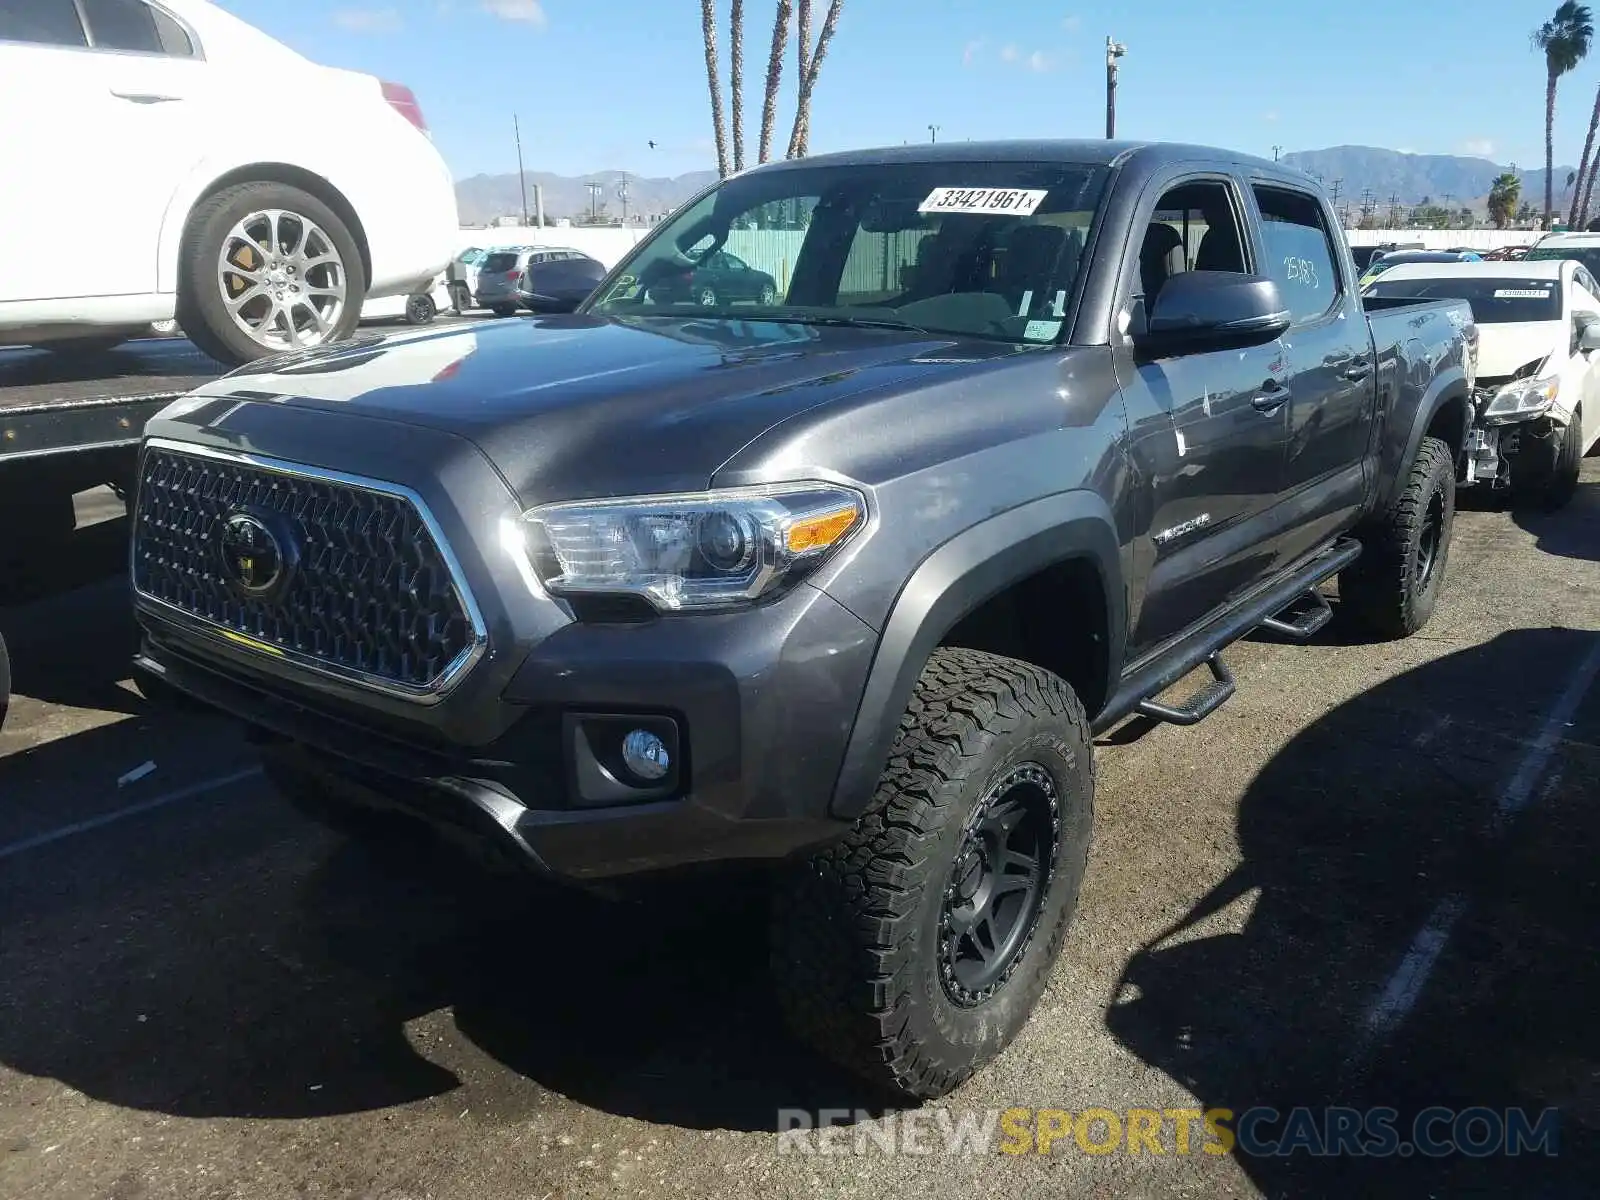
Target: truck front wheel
1393 587
913 951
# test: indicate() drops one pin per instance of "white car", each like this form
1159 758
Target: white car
1538 371
163 159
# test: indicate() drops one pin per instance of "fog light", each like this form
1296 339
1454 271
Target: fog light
645 754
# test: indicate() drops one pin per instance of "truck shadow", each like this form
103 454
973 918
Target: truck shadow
1368 833
224 958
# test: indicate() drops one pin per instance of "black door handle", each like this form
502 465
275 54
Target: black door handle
1270 398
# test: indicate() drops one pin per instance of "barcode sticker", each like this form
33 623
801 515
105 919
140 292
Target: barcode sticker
1000 202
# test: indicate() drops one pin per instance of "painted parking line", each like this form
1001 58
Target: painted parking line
1404 986
131 810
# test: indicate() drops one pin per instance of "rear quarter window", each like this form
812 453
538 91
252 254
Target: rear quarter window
1299 251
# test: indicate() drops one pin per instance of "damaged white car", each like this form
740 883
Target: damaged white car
1537 391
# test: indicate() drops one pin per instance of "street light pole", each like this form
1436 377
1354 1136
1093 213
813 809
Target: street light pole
522 180
933 133
1114 51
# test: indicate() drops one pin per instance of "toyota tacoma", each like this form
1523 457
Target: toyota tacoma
842 578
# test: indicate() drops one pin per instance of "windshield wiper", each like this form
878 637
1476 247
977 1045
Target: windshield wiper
850 322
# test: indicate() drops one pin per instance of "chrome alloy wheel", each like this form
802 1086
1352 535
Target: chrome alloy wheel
282 279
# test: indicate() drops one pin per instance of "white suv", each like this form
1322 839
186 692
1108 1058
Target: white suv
164 159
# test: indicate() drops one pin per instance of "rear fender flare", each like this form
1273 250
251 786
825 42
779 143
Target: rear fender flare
1448 386
951 582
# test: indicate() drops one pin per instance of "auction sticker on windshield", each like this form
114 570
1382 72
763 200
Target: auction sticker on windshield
1523 293
1000 202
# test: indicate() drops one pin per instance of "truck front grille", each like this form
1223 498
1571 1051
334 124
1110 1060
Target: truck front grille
364 590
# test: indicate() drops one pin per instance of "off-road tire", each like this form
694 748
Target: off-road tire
857 947
1384 589
201 312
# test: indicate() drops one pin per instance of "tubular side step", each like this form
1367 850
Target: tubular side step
1201 704
1301 620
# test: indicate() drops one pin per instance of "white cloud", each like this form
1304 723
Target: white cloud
527 11
367 20
972 50
1270 115
1010 54
1038 62
1072 24
1478 147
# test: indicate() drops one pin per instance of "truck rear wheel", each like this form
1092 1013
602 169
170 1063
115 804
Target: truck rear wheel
267 268
1393 587
913 951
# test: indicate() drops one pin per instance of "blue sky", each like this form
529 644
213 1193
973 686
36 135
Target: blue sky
593 82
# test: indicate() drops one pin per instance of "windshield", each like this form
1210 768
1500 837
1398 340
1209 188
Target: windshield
1494 301
985 249
1589 256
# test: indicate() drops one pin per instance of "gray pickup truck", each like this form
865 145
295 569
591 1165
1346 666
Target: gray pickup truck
843 578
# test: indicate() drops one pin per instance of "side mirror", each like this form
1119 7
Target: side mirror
1590 338
1203 310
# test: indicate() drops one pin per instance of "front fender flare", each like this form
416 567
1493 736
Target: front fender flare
963 573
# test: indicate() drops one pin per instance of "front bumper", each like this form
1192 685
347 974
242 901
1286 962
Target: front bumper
761 704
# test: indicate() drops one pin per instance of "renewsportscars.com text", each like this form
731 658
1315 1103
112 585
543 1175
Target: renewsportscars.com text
1260 1131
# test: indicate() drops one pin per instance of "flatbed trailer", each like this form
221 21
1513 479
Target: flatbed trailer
55 408
69 423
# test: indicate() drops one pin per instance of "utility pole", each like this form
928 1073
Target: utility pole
1337 184
1394 211
594 200
933 133
522 180
622 195
1114 51
1276 152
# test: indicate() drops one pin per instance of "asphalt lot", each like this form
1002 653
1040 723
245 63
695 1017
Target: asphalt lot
1379 862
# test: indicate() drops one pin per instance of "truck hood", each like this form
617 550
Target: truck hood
574 406
1505 347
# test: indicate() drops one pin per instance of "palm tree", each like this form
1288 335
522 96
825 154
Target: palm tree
1564 40
708 32
1580 198
736 78
800 138
769 102
1504 195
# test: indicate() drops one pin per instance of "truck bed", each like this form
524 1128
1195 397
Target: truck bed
54 404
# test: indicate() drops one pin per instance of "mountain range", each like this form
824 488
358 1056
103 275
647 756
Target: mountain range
1410 179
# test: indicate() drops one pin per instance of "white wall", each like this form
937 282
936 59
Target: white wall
1443 239
606 243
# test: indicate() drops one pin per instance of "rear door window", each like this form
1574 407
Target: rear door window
42 22
500 260
1299 252
133 25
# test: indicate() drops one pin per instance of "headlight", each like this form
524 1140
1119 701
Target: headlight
700 551
1521 399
